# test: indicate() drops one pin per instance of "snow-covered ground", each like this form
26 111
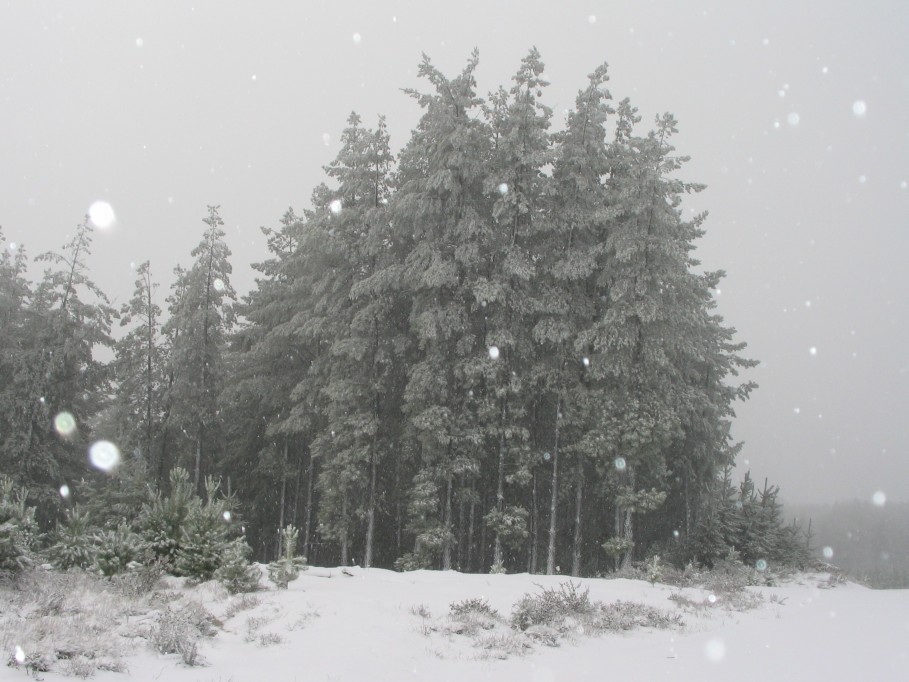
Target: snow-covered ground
379 626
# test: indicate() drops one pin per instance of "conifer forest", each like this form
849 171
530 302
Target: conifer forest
492 351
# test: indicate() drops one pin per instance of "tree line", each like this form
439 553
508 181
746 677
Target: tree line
493 351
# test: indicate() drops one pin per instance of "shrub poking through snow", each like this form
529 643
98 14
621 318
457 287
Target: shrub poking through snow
178 631
552 606
568 609
288 567
471 616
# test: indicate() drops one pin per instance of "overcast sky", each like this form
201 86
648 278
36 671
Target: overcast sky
795 114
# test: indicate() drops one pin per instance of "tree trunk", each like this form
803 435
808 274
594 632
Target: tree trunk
344 539
628 534
307 519
554 501
462 536
446 523
687 507
371 505
578 500
471 519
500 484
283 490
534 525
482 548
197 469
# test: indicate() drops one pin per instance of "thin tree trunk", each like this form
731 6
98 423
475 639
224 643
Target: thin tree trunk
298 483
197 470
283 490
462 536
500 484
344 539
307 518
482 548
628 534
446 522
687 507
534 525
578 500
554 501
371 505
471 520
617 532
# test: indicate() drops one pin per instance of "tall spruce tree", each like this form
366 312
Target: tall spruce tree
571 289
504 287
265 450
441 209
201 316
139 373
68 319
15 294
362 387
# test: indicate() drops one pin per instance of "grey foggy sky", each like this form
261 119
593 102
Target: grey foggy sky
161 108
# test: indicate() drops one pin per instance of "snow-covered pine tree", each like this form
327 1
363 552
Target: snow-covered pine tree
362 388
68 320
570 246
442 212
640 345
139 373
504 287
15 294
201 316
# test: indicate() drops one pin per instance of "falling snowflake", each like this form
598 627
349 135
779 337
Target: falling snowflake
494 352
65 424
715 650
104 455
101 214
859 108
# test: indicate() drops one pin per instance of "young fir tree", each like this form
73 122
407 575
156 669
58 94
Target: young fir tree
139 373
201 317
442 211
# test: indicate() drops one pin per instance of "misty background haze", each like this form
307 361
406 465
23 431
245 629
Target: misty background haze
795 116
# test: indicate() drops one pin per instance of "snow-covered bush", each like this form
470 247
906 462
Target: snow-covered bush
74 542
17 527
117 549
236 573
